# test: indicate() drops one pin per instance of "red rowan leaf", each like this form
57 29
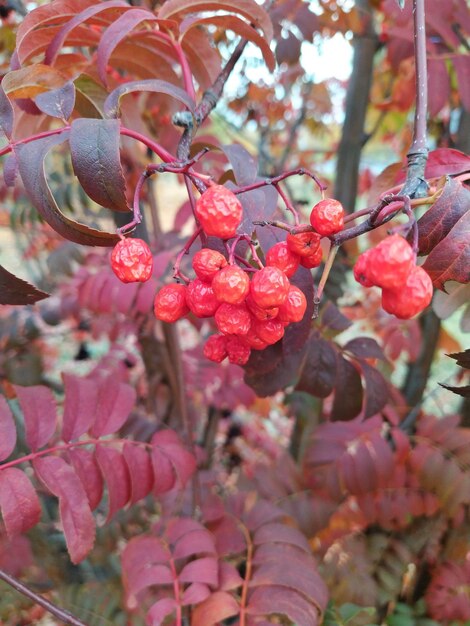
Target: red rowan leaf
194 542
7 430
288 49
443 215
204 570
115 402
229 538
280 533
19 503
154 85
86 467
10 170
204 60
229 578
81 396
33 80
171 461
58 102
14 290
75 513
462 358
450 259
376 392
438 85
275 599
461 64
347 402
364 348
39 412
115 33
331 318
319 372
6 114
116 477
262 512
31 158
140 470
253 12
195 594
446 162
94 146
15 554
161 610
219 606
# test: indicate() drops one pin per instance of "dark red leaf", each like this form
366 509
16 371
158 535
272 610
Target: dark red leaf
116 477
275 599
244 165
94 146
288 49
10 170
376 392
462 68
204 59
58 102
19 503
31 158
111 105
445 161
460 391
442 216
319 371
14 290
115 402
450 259
7 430
331 318
219 606
195 594
365 348
462 358
86 468
140 471
75 513
194 542
438 85
15 554
6 114
171 461
204 570
81 396
40 416
347 402
277 532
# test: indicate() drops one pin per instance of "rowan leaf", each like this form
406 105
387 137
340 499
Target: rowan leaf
75 513
86 467
7 430
365 348
277 599
14 290
319 371
140 471
116 477
58 102
376 392
6 114
40 415
171 461
19 503
218 607
81 397
114 403
32 80
154 85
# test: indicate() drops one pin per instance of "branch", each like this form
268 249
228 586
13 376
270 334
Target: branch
415 185
61 614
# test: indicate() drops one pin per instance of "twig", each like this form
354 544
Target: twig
61 614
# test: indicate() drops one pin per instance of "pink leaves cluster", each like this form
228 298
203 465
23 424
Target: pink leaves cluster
76 468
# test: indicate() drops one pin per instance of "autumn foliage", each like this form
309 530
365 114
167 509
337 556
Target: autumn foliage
228 398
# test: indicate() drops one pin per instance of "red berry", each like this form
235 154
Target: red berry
269 287
170 303
132 261
390 263
282 257
252 339
238 351
231 284
201 299
327 217
233 319
293 309
219 212
207 262
270 331
312 260
215 348
303 244
411 297
258 312
361 269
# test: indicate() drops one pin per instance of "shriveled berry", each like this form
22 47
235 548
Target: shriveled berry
269 287
238 351
207 262
282 257
252 339
215 348
269 331
170 303
303 244
219 212
293 309
233 319
410 298
312 260
132 261
201 299
390 263
361 269
327 217
258 312
231 284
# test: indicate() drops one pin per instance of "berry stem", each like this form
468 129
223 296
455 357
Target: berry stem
300 171
177 273
185 69
251 245
288 203
324 278
152 145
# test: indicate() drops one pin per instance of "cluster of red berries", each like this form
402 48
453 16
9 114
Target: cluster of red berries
406 287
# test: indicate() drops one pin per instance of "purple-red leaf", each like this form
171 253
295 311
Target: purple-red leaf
86 468
377 392
111 105
219 606
194 542
94 146
159 611
275 599
7 430
280 533
365 348
81 396
116 477
75 513
445 162
171 461
442 216
140 471
462 69
14 290
6 114
204 570
31 158
319 371
19 503
347 402
10 170
57 102
450 259
195 594
115 402
40 416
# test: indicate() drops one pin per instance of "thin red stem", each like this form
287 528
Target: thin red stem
185 69
176 593
46 133
176 268
289 206
251 245
153 145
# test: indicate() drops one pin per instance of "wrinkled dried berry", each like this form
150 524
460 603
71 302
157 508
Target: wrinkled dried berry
219 212
132 261
170 303
231 284
410 298
327 217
